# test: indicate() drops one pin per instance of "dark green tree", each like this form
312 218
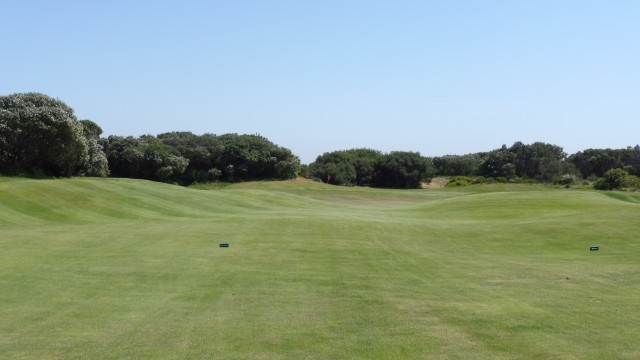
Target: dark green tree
457 165
596 162
186 158
252 157
401 169
347 167
160 161
364 162
201 151
335 168
304 171
125 156
630 157
91 130
530 159
40 135
97 163
499 164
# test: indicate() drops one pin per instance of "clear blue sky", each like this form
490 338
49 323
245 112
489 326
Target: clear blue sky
438 77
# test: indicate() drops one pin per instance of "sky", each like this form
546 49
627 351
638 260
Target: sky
436 77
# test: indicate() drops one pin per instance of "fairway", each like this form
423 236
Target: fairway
131 269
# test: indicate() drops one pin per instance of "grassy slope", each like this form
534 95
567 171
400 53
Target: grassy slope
114 268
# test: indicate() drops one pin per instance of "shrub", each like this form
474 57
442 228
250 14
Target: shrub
632 183
568 179
464 181
613 179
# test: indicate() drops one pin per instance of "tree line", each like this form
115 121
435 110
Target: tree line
41 136
366 167
542 162
186 158
537 162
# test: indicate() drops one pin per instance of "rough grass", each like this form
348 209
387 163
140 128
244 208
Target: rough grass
127 269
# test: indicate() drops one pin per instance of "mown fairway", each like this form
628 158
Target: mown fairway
126 269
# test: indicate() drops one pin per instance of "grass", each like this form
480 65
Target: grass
128 269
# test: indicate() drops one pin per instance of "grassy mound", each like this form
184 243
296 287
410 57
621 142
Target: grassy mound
115 268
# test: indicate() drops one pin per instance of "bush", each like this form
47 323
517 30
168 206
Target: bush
632 183
526 181
464 181
568 179
613 179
